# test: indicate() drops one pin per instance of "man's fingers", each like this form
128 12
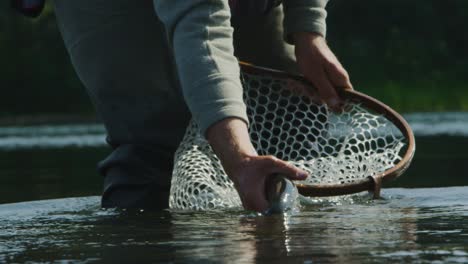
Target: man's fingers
261 204
277 166
258 204
325 88
257 201
338 76
258 170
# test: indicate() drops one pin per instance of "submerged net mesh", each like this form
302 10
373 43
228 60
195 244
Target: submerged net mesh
334 148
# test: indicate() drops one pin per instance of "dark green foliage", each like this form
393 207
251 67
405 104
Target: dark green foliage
35 72
410 54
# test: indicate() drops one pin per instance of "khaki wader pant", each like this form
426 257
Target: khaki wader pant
121 53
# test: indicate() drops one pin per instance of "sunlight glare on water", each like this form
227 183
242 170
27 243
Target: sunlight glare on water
87 135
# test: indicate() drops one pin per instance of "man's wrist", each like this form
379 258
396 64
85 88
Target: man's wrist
230 140
300 37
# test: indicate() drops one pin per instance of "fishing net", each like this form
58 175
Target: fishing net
333 147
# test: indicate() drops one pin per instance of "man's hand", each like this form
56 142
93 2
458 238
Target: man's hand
321 67
230 140
251 176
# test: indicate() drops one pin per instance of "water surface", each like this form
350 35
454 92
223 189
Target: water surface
424 222
410 225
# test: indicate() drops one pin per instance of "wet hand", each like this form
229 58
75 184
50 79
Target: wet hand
230 140
320 66
250 178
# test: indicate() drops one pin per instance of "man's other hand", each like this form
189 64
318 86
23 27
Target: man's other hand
320 66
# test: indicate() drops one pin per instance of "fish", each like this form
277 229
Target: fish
281 193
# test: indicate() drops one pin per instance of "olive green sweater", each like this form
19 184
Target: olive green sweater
202 40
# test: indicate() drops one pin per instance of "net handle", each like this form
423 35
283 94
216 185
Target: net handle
373 183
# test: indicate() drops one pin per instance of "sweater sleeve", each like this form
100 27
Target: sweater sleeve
304 16
201 36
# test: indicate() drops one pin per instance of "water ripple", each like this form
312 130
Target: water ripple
410 225
435 124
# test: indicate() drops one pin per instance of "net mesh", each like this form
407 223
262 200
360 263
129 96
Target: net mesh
334 148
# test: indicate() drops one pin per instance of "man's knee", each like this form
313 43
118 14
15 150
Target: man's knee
137 177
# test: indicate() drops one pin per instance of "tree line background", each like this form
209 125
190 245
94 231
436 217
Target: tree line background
413 55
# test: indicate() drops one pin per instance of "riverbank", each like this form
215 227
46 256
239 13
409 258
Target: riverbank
49 119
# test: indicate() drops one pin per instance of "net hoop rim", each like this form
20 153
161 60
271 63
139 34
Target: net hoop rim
370 183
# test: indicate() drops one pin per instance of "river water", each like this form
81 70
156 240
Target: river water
423 217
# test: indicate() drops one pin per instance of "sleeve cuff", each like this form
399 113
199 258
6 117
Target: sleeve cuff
211 118
309 26
304 16
216 98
